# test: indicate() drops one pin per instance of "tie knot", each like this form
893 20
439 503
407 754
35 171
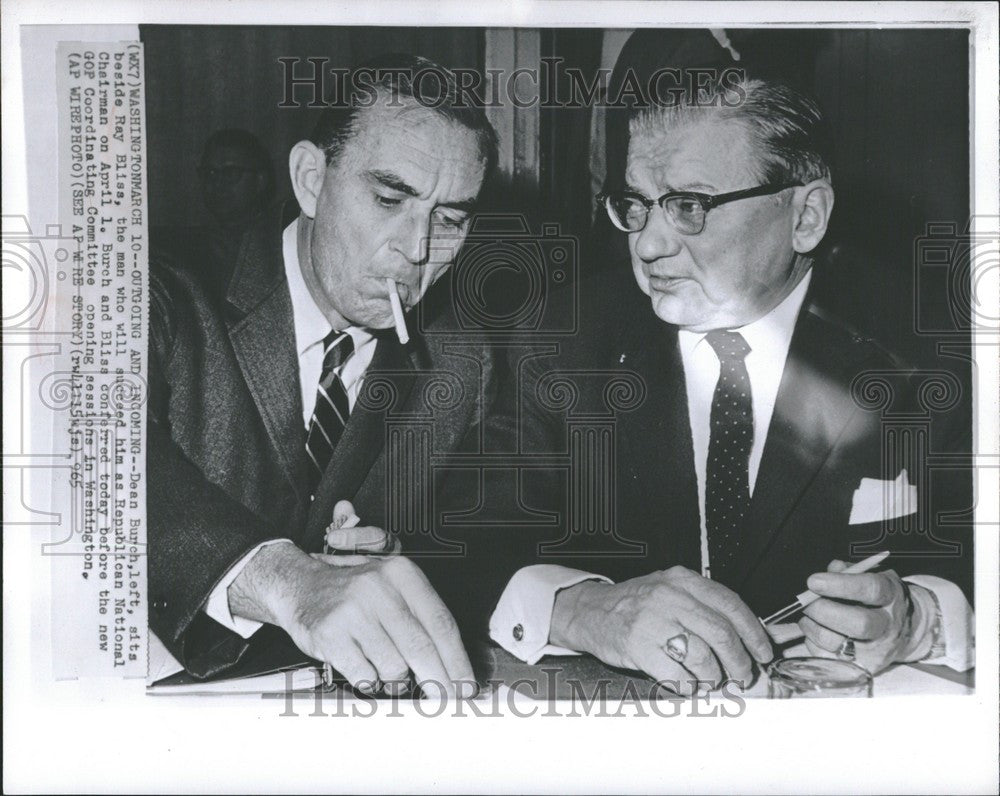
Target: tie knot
337 347
729 346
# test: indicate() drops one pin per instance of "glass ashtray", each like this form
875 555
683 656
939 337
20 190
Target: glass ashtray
817 677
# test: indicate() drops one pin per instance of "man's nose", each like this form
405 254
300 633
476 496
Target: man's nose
411 239
659 238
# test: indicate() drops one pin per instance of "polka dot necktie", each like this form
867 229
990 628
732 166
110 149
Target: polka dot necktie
332 408
727 487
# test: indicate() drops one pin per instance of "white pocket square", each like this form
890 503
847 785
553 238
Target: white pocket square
876 500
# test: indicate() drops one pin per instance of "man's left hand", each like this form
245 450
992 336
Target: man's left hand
875 610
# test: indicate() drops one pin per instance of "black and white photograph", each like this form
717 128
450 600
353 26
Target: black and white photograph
481 369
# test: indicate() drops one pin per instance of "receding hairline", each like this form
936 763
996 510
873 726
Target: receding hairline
366 119
402 104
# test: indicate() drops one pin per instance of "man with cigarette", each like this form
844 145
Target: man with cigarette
745 456
268 411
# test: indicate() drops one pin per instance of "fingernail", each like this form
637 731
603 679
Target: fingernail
816 582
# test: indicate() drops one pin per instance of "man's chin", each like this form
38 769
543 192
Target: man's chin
669 308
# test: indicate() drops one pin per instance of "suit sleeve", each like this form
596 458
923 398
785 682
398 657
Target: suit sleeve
196 531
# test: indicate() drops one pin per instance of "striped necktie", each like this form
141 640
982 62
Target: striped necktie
727 488
332 408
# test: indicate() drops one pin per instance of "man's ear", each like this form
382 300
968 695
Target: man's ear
813 204
307 168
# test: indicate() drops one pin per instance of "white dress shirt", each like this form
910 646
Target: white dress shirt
523 616
311 327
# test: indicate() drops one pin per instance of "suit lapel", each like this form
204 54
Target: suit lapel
263 339
665 456
391 375
812 409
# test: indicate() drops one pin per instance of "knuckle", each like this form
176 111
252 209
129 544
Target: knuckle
722 634
729 602
635 637
663 594
420 646
443 622
342 617
367 585
398 565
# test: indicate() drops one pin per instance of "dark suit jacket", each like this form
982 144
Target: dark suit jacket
226 460
598 429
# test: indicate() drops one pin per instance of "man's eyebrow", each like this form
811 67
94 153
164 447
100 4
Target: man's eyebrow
463 205
693 187
396 183
393 182
698 187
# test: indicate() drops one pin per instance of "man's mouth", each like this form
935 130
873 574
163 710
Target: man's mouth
666 283
402 290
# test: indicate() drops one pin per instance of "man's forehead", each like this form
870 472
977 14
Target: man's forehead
414 139
698 151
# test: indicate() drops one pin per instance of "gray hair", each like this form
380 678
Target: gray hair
786 127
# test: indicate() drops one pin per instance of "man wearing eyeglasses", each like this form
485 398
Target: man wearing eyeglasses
745 469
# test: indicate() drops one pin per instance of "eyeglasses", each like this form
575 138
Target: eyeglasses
629 211
227 175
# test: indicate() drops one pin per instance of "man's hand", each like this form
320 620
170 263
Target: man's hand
376 620
888 620
628 625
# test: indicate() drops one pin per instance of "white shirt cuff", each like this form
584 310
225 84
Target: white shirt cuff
217 606
520 624
958 623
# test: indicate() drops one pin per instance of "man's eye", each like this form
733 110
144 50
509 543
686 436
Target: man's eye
687 205
451 221
387 201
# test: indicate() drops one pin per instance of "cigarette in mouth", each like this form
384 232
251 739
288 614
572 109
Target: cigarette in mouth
397 311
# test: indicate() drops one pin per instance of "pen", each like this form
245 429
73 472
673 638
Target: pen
808 597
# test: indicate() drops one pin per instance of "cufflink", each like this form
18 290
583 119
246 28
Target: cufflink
518 632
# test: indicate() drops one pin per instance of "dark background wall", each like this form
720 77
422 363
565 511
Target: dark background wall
203 78
897 101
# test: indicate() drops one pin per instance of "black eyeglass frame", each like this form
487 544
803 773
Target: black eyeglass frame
706 200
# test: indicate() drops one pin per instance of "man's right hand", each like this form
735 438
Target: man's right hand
628 625
378 620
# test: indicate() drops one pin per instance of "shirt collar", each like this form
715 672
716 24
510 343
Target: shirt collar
311 325
772 332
